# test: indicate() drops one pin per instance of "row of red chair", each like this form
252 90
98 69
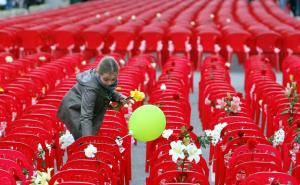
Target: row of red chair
242 154
206 26
171 94
37 125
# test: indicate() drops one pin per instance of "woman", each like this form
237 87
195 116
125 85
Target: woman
83 107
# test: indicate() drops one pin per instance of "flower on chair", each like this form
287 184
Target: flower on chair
278 137
66 140
41 178
167 133
229 104
292 94
193 153
177 150
163 87
183 149
90 151
212 136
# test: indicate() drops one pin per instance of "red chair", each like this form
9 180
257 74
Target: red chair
94 36
296 172
99 166
21 147
89 140
19 158
266 178
6 178
13 168
89 176
243 170
75 183
193 177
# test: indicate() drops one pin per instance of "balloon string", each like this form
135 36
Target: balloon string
126 136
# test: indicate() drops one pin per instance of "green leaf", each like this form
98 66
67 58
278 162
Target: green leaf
180 162
182 129
25 171
284 112
290 120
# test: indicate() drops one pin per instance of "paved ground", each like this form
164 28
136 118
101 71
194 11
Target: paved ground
138 152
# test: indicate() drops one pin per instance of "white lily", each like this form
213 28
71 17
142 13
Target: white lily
177 150
194 152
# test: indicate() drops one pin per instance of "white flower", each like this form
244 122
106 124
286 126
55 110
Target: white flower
227 64
41 178
216 133
158 15
119 141
153 65
119 18
209 132
288 90
40 148
219 127
66 140
278 137
177 150
49 147
42 58
133 17
121 149
194 152
9 59
294 151
90 151
207 101
167 133
163 87
41 152
122 62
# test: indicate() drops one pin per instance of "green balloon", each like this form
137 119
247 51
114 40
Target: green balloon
147 123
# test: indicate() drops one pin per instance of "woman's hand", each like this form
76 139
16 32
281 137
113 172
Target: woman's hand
124 99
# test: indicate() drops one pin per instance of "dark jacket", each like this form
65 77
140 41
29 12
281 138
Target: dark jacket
83 107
